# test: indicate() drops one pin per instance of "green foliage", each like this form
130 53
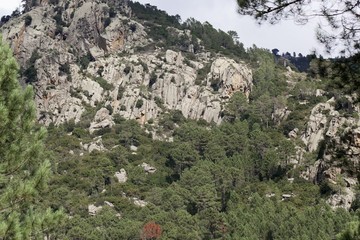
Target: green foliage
28 20
153 78
31 72
211 181
144 65
85 60
160 27
151 13
121 91
107 22
202 74
65 68
352 232
139 103
104 84
215 40
127 70
24 166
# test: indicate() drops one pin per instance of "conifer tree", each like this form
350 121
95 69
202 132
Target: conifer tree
24 171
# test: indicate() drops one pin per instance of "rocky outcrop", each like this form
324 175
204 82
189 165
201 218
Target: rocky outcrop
140 203
317 125
142 85
343 199
102 120
233 77
338 134
95 145
147 168
121 176
93 210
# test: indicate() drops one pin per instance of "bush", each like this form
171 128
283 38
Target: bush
215 84
110 108
153 78
112 12
31 72
54 2
100 71
145 66
65 68
139 103
121 91
127 70
28 20
104 84
59 30
107 22
133 27
85 60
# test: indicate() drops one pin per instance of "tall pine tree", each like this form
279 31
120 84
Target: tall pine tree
24 171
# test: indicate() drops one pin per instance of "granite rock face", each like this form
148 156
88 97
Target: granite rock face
335 137
85 57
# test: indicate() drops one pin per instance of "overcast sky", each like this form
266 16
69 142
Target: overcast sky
222 14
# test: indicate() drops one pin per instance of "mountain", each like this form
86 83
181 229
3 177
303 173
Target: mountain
161 126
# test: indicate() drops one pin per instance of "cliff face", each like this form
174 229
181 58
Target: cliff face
87 54
335 136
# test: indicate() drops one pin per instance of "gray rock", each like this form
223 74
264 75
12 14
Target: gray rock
148 168
140 203
133 148
93 210
121 176
343 199
293 133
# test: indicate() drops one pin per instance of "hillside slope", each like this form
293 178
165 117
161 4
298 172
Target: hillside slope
154 123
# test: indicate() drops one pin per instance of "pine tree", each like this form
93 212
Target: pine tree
23 169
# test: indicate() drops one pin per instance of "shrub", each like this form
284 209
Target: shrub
153 78
145 66
127 70
54 2
104 84
59 30
215 84
107 22
31 72
28 20
100 71
159 102
133 27
65 68
85 60
112 12
121 91
139 103
110 108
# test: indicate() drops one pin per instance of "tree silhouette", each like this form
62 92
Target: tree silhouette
342 18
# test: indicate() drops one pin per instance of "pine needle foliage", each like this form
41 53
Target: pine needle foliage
24 170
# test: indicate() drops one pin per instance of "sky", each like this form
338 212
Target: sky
222 14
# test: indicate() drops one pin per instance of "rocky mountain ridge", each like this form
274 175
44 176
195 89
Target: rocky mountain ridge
130 84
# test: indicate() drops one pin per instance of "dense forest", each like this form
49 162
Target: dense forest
235 180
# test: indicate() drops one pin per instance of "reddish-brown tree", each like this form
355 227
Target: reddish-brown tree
151 231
